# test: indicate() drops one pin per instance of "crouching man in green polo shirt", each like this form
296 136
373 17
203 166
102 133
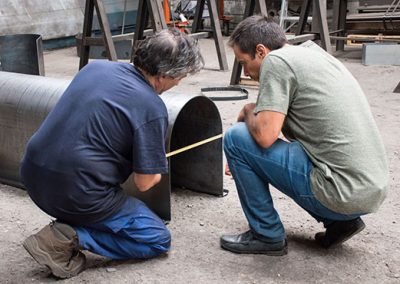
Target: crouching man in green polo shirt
332 162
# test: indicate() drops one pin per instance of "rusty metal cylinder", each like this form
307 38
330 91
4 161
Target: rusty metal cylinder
25 100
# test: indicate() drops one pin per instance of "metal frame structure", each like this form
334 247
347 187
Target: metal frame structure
390 17
319 23
88 40
147 9
154 10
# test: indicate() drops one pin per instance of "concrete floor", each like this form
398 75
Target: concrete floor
198 220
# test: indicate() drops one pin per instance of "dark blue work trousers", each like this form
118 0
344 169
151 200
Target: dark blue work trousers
133 232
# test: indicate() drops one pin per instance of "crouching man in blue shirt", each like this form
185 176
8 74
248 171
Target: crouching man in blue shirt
109 123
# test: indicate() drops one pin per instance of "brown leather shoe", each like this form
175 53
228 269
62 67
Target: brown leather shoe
56 246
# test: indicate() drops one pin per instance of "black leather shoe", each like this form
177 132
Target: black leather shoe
248 243
339 231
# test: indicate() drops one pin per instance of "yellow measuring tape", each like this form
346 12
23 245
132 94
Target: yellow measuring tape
194 145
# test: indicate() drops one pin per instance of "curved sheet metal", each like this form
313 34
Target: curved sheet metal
22 53
25 100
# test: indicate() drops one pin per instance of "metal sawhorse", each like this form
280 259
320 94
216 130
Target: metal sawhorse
146 9
319 23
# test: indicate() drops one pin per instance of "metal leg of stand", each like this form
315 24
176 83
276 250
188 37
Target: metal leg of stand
397 89
319 22
215 26
148 9
87 40
305 10
217 34
339 21
251 7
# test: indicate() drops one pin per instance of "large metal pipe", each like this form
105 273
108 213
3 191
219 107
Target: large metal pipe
25 100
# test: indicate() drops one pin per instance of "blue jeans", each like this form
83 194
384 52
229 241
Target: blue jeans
285 166
133 232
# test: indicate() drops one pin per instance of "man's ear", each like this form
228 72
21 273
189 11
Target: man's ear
262 50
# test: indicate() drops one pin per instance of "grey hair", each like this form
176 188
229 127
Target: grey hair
168 53
255 30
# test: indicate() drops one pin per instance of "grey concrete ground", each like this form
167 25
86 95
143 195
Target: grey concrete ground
198 220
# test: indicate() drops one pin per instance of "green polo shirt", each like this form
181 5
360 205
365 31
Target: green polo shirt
328 113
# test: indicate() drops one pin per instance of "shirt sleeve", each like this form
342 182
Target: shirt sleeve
149 148
277 85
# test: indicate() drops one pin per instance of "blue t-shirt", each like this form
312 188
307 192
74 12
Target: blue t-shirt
108 123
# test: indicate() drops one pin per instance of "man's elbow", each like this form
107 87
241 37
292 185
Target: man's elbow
265 141
143 187
144 183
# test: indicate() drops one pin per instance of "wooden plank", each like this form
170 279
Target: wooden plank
248 82
358 40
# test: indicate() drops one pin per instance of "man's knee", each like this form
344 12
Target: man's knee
165 240
159 244
163 243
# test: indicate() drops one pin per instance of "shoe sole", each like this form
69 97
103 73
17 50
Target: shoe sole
42 257
348 236
281 252
345 237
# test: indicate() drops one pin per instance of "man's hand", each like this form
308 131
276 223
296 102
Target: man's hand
264 127
227 170
246 110
144 182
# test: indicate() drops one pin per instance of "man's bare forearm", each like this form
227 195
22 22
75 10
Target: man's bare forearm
264 126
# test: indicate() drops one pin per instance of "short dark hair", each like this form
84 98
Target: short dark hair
168 53
255 30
